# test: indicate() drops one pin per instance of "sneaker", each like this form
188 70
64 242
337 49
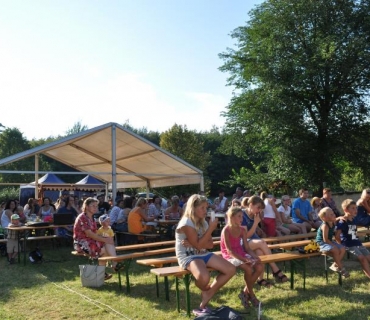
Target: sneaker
107 276
334 268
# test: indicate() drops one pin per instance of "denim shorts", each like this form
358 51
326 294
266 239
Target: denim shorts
325 247
358 251
204 257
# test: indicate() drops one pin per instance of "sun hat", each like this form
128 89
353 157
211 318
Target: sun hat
103 218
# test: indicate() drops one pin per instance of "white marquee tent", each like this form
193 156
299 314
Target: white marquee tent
115 156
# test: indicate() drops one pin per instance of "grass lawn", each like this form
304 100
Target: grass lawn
52 290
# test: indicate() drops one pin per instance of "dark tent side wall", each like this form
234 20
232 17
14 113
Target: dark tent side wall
26 192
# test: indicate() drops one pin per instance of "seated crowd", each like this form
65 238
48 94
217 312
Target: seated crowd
248 219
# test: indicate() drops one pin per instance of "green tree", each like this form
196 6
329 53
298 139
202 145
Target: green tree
76 128
152 136
222 162
12 142
186 145
301 73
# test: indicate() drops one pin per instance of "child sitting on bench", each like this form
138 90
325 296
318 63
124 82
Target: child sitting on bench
235 249
324 238
346 234
193 238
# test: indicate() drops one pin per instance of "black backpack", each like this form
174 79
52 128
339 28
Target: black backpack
223 312
35 256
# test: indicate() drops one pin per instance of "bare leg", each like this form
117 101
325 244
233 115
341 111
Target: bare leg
110 250
335 253
261 244
365 264
294 228
199 270
250 276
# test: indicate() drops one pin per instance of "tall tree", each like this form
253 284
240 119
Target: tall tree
12 142
301 72
76 128
186 145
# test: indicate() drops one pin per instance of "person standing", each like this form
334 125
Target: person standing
103 206
328 201
223 202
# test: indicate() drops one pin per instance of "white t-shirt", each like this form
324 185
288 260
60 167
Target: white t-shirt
183 252
268 212
285 211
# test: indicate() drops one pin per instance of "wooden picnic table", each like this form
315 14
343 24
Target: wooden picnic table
25 236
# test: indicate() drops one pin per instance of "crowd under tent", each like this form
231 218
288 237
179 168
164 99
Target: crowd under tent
117 157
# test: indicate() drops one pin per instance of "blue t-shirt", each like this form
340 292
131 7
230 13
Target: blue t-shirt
348 236
248 222
304 207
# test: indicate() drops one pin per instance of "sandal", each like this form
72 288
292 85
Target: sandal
201 311
344 273
107 276
118 267
244 299
280 278
264 283
255 302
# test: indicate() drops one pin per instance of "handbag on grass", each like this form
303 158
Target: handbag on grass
92 275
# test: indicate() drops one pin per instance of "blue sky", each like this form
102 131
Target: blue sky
153 63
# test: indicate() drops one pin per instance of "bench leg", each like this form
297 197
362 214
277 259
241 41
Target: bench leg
127 267
177 294
292 267
326 268
166 289
119 280
293 264
157 286
186 280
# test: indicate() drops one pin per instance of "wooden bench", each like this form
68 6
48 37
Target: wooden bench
126 259
141 246
133 238
185 275
289 237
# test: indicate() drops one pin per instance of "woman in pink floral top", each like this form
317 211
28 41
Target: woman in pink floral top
85 238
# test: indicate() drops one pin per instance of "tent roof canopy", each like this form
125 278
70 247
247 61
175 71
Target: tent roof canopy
89 183
112 153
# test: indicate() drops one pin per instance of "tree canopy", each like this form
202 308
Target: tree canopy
301 73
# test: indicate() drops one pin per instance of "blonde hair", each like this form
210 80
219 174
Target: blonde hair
231 213
263 195
323 212
346 203
193 202
140 202
313 201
